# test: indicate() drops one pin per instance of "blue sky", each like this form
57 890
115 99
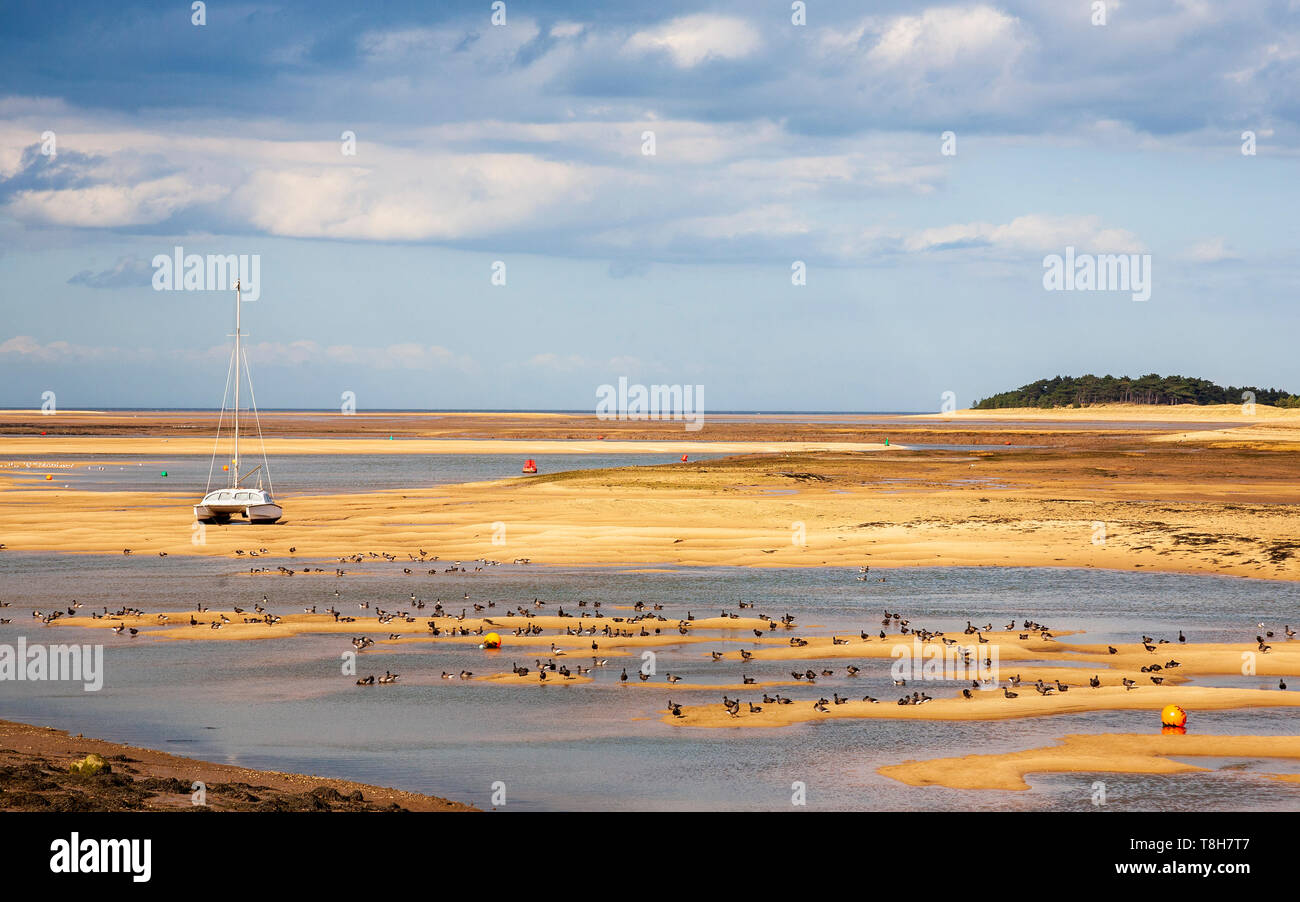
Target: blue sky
523 143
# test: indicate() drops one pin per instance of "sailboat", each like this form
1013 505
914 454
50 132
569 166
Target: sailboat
256 504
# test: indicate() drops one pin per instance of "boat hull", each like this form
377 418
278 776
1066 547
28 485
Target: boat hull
254 504
263 513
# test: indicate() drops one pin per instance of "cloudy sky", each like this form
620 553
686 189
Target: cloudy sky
127 130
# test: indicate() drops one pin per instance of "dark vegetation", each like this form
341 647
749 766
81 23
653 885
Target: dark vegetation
1082 391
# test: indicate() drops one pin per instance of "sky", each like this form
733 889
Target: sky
450 212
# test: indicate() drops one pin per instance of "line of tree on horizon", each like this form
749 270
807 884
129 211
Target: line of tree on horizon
1082 391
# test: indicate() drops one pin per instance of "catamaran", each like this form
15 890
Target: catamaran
256 504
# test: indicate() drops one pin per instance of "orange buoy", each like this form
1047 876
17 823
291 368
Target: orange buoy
47 476
225 467
530 466
492 640
1173 716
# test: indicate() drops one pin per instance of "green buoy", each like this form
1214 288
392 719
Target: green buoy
164 472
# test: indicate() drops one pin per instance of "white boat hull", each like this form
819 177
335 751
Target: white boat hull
221 505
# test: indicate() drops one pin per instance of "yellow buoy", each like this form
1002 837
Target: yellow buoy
491 640
1173 716
48 476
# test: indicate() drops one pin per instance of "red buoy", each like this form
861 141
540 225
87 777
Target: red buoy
683 458
530 466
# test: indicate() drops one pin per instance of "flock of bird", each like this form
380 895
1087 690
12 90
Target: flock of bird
647 620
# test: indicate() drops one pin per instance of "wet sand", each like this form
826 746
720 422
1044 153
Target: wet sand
1151 497
1140 505
231 625
993 705
1094 753
34 777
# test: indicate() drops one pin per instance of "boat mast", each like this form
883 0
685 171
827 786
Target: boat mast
234 473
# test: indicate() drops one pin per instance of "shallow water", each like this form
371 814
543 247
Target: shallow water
284 704
308 474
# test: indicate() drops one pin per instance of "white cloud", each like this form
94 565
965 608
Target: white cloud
944 37
566 29
1211 250
1032 232
407 196
691 40
399 356
557 362
109 205
28 349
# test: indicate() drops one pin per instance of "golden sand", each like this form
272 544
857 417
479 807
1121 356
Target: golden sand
993 705
1080 498
1093 753
1218 500
245 624
1020 510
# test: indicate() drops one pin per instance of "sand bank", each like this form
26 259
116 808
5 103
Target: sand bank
232 625
1088 503
993 705
1094 753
